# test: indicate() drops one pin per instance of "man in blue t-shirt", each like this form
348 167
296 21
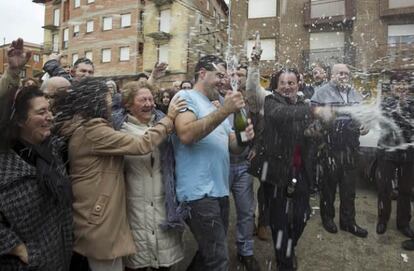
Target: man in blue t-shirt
201 146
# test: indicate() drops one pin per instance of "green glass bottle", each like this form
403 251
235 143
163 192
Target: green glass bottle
240 124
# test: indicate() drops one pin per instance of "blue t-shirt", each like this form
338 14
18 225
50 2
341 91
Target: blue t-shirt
202 168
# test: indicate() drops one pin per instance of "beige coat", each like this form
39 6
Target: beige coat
146 208
96 153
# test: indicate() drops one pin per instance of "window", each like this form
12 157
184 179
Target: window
327 40
214 12
90 1
268 47
165 20
65 38
163 53
401 34
77 3
262 8
400 3
55 43
141 21
327 47
208 4
89 26
124 54
56 17
126 20
75 57
89 55
106 55
107 23
326 8
76 30
36 58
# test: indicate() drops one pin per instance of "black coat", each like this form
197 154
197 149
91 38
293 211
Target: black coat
284 126
403 117
29 214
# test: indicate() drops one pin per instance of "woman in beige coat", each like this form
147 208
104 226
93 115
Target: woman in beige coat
157 247
96 158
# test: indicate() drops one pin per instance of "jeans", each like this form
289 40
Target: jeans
241 185
208 221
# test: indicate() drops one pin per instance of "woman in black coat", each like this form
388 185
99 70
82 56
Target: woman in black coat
35 192
286 191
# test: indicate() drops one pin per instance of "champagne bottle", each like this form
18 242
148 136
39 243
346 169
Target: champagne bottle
240 124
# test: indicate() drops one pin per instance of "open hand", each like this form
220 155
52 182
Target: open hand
17 56
176 106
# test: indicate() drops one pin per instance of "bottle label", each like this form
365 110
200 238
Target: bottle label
243 137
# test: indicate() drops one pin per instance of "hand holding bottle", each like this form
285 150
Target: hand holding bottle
233 101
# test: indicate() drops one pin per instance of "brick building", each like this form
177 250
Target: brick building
125 37
33 68
370 35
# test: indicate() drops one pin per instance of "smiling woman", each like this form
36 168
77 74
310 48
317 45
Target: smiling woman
39 235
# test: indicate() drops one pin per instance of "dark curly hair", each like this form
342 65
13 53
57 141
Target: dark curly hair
274 79
89 98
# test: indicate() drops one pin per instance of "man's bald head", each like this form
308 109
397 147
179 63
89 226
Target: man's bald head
53 85
341 75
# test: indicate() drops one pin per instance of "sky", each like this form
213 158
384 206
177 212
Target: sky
21 18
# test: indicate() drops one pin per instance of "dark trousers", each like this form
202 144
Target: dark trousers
332 176
285 235
391 173
263 219
208 221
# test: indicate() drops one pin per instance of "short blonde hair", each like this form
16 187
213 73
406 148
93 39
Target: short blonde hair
130 90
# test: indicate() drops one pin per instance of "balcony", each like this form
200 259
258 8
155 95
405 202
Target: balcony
51 27
394 56
396 8
328 56
160 36
328 12
162 2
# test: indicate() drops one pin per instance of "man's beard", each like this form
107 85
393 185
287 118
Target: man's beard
213 94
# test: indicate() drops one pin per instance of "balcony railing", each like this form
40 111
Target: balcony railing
329 11
394 56
328 56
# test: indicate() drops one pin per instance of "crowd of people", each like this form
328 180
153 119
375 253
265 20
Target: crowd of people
100 177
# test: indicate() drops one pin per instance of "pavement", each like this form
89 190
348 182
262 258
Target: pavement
319 250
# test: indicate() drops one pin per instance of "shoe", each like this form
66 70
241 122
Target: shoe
263 233
329 225
381 228
250 263
407 231
355 230
408 244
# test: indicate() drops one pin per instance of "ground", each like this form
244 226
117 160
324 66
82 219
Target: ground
319 250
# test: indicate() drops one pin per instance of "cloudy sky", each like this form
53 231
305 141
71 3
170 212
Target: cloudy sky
21 18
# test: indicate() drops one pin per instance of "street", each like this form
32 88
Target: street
322 251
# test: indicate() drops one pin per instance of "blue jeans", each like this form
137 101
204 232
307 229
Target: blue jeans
208 221
241 185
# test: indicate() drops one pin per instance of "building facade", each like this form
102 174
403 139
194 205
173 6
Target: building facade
33 68
126 37
368 35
